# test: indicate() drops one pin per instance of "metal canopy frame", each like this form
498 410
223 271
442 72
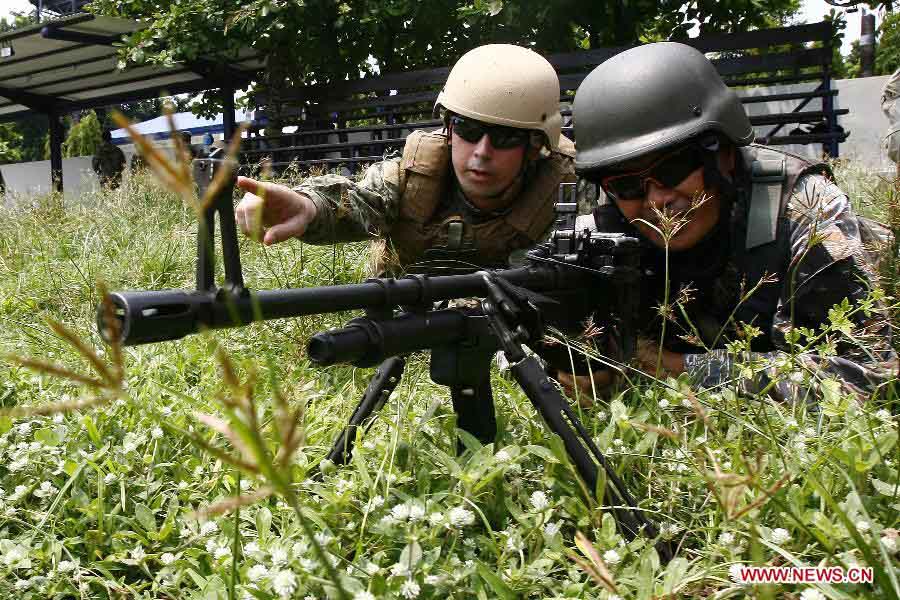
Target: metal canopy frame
71 64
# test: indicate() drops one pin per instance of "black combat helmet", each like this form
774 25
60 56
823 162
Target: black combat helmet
649 98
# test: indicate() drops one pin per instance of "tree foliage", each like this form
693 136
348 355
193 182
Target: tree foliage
331 40
10 144
887 52
84 136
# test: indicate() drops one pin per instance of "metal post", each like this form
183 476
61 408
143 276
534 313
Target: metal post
831 146
867 45
56 140
226 95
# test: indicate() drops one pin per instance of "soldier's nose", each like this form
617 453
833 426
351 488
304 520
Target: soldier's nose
484 148
660 196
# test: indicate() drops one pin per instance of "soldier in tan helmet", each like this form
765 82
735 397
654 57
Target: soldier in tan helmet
471 194
475 191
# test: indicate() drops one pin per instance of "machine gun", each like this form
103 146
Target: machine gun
575 274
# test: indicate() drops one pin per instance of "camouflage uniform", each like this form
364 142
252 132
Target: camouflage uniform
108 163
379 206
824 273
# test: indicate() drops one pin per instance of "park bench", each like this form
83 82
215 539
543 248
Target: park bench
350 123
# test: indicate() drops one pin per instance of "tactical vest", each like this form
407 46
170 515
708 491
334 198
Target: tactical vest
762 231
426 180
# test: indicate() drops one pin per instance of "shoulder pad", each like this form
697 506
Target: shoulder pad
767 175
426 152
566 146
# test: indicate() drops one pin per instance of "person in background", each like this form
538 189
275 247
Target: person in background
109 161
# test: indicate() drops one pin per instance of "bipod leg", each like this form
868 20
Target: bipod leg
551 405
386 378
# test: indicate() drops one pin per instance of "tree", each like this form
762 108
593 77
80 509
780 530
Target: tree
10 142
318 41
887 52
84 137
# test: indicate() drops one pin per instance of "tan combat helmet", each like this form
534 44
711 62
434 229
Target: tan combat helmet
505 85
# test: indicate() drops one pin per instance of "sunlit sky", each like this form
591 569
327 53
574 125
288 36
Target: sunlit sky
811 11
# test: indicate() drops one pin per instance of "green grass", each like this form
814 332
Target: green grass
100 503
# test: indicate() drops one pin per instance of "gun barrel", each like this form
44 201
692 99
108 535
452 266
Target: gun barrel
366 342
155 316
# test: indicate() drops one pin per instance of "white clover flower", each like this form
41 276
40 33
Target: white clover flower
45 490
323 538
109 478
387 521
416 512
18 492
24 428
185 532
59 417
343 485
460 516
436 518
812 594
514 544
410 589
23 584
502 456
780 535
376 502
863 526
18 463
726 538
883 415
539 500
165 411
612 557
208 528
551 529
734 571
308 564
167 558
221 552
889 543
400 570
371 568
211 545
252 547
400 512
284 583
257 572
364 595
278 555
432 580
138 553
131 442
65 566
156 433
664 404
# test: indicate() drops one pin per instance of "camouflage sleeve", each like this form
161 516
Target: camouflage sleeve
828 265
348 210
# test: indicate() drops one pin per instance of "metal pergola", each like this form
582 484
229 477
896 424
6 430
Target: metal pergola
71 64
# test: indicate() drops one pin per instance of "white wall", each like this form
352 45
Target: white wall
865 122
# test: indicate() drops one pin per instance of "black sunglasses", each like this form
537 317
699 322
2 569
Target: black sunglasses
502 138
668 171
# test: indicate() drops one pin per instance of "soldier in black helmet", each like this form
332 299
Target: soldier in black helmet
671 146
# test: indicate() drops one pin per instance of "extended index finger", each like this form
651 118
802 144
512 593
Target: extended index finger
252 185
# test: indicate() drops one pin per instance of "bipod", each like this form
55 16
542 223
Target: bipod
506 309
386 378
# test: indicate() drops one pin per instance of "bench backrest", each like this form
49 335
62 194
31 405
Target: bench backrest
354 122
